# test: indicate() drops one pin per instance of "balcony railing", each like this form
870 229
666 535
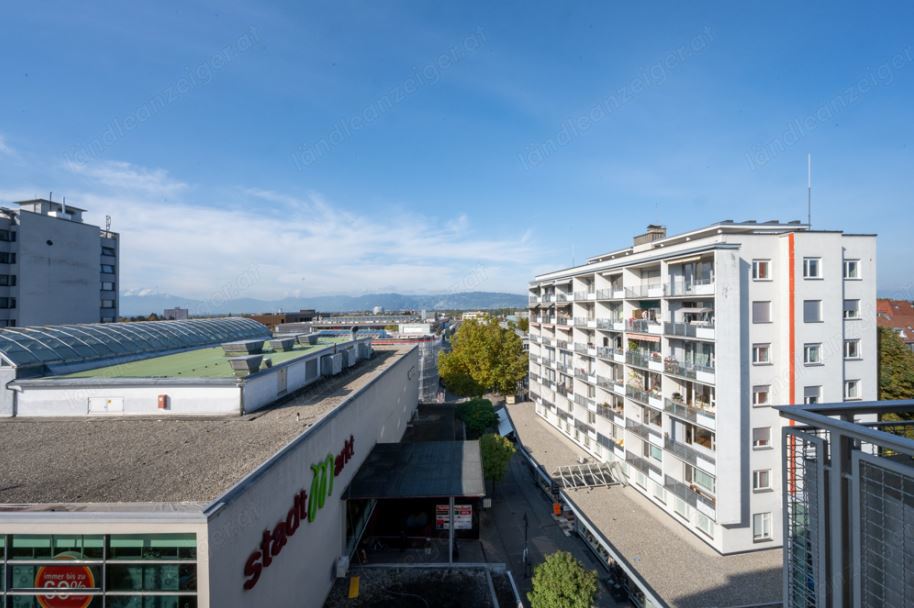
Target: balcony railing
643 326
688 369
563 321
564 367
548 298
692 494
533 300
604 382
641 358
584 401
580 348
580 374
583 321
642 430
606 352
642 464
639 395
584 295
692 413
560 297
644 291
561 389
689 330
609 294
685 452
682 287
561 344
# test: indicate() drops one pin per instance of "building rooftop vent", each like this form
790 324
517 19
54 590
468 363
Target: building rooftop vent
654 232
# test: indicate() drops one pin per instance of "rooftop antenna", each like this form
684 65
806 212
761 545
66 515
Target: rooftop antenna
63 205
809 190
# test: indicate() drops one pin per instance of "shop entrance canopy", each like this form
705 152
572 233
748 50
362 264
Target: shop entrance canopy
428 469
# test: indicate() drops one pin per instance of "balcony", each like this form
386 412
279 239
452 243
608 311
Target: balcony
580 296
699 413
536 359
644 359
563 321
563 390
702 330
582 322
561 344
563 367
642 464
644 326
643 397
546 341
692 287
533 300
646 290
610 294
606 353
642 430
691 494
561 298
701 369
686 453
584 402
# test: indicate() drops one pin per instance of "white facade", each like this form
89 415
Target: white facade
668 356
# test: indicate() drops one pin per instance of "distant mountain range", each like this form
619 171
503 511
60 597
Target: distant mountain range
144 304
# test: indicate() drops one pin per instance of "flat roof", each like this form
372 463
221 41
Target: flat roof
198 363
681 569
427 469
59 463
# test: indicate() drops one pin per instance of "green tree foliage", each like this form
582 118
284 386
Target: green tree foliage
478 415
523 325
562 582
896 367
484 357
496 454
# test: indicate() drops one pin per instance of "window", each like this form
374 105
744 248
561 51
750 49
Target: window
109 251
851 309
812 354
761 270
812 311
7 257
761 312
761 353
7 280
109 286
591 417
761 437
5 235
108 268
680 507
852 349
761 526
7 302
851 269
653 451
812 268
705 524
699 478
760 394
812 394
107 303
761 480
851 390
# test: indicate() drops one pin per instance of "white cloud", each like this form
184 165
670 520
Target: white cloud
5 148
126 177
277 244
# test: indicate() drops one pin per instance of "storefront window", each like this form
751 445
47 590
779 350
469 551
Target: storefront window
116 571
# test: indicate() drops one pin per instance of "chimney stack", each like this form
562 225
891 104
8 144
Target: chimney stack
654 232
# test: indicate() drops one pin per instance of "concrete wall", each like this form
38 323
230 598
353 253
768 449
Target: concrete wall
303 571
59 282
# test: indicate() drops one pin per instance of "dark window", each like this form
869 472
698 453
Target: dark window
5 235
107 285
7 303
108 251
108 268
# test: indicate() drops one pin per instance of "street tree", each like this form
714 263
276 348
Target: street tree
496 455
562 582
896 366
484 357
477 415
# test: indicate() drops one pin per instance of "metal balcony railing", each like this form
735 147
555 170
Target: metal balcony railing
580 348
686 330
642 325
561 389
691 494
606 352
639 395
681 287
642 358
688 369
546 341
642 464
583 401
642 430
562 344
685 411
560 297
685 452
643 291
562 321
609 294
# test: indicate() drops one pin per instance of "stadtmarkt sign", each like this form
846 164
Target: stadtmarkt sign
305 506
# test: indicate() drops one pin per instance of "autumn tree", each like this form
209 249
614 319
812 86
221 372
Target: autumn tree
483 357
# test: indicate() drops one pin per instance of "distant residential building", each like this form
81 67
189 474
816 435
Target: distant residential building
274 319
667 356
176 314
54 268
415 329
897 315
475 315
377 310
848 486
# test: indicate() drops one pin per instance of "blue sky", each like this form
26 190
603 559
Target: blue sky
346 147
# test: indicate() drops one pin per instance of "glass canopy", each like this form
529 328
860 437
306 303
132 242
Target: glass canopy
67 344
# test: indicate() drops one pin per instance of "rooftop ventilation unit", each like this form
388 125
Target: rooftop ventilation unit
243 347
245 365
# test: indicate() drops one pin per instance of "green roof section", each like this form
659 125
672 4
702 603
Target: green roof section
199 363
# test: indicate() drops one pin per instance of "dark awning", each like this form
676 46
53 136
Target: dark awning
428 469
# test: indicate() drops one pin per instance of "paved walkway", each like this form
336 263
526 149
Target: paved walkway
502 529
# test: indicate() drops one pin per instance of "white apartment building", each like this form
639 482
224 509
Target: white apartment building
668 356
54 268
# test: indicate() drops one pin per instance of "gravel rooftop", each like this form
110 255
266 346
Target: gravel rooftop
65 463
682 570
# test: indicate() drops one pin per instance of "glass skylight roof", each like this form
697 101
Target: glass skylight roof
67 344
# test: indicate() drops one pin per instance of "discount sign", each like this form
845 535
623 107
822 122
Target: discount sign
64 580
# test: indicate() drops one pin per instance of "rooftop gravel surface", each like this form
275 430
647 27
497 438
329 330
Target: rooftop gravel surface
55 462
684 571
